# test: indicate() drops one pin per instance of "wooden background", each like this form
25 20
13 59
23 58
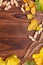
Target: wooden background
13 33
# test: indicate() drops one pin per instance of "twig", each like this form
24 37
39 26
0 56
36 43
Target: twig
38 46
41 37
31 47
28 51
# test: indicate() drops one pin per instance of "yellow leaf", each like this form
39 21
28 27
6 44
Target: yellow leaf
2 62
38 57
29 16
38 28
31 3
25 1
41 51
33 25
27 8
13 60
33 10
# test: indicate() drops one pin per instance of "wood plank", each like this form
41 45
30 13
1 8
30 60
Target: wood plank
13 46
18 17
12 17
14 30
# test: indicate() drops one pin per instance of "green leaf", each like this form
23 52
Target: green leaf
29 63
39 5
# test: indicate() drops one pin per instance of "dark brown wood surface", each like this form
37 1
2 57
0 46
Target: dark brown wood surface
14 34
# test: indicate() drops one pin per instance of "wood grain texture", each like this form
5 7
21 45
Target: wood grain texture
13 38
14 34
